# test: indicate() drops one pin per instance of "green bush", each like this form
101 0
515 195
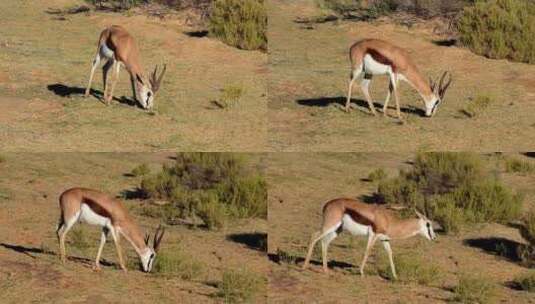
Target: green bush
176 263
518 166
240 23
477 106
140 170
410 268
454 189
238 286
214 187
526 282
474 289
500 29
377 175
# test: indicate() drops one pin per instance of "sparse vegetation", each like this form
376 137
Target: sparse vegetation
240 23
287 257
474 289
213 187
140 170
410 268
527 230
500 29
175 263
518 166
239 286
526 282
477 106
230 96
377 175
77 238
454 189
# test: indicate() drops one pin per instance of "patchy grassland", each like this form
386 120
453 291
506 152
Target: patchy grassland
193 261
45 61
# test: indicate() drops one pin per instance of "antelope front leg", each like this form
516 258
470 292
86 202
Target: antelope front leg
386 245
372 237
313 240
396 95
116 237
387 99
103 238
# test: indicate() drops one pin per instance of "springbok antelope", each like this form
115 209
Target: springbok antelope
118 47
377 222
96 208
377 57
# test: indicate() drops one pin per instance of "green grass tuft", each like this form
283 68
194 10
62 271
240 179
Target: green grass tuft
526 281
474 289
477 106
377 175
230 96
410 268
239 286
518 166
176 263
141 170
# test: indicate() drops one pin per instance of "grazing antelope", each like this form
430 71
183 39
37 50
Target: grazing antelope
377 222
377 57
118 47
96 208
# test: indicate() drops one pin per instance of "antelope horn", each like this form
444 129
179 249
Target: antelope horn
158 235
419 214
444 87
147 237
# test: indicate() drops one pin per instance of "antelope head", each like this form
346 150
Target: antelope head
147 259
439 91
426 226
146 89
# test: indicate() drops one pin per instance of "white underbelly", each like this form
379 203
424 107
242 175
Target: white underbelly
90 217
353 227
375 68
105 51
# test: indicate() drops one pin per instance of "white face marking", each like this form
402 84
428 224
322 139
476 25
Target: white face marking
87 215
147 259
426 229
431 106
145 96
353 227
375 68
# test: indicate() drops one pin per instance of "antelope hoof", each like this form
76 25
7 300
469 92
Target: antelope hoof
347 109
97 268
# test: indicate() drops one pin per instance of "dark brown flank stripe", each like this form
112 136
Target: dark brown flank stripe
96 207
377 56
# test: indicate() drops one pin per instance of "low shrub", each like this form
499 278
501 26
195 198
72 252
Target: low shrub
238 286
240 23
474 289
526 282
500 29
527 230
213 187
230 96
410 268
477 106
518 166
140 170
454 189
176 263
286 257
377 175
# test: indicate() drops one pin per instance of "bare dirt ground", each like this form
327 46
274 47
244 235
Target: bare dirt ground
300 183
45 61
30 270
308 84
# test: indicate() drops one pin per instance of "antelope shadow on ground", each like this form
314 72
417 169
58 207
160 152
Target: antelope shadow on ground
362 104
67 91
255 241
505 248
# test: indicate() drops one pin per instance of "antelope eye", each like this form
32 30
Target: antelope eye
428 225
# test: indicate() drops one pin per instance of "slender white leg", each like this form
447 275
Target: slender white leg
96 62
105 70
316 236
364 85
354 75
103 237
62 233
115 235
116 69
372 237
388 95
386 245
324 246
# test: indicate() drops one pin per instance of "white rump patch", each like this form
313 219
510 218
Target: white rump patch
105 51
353 227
